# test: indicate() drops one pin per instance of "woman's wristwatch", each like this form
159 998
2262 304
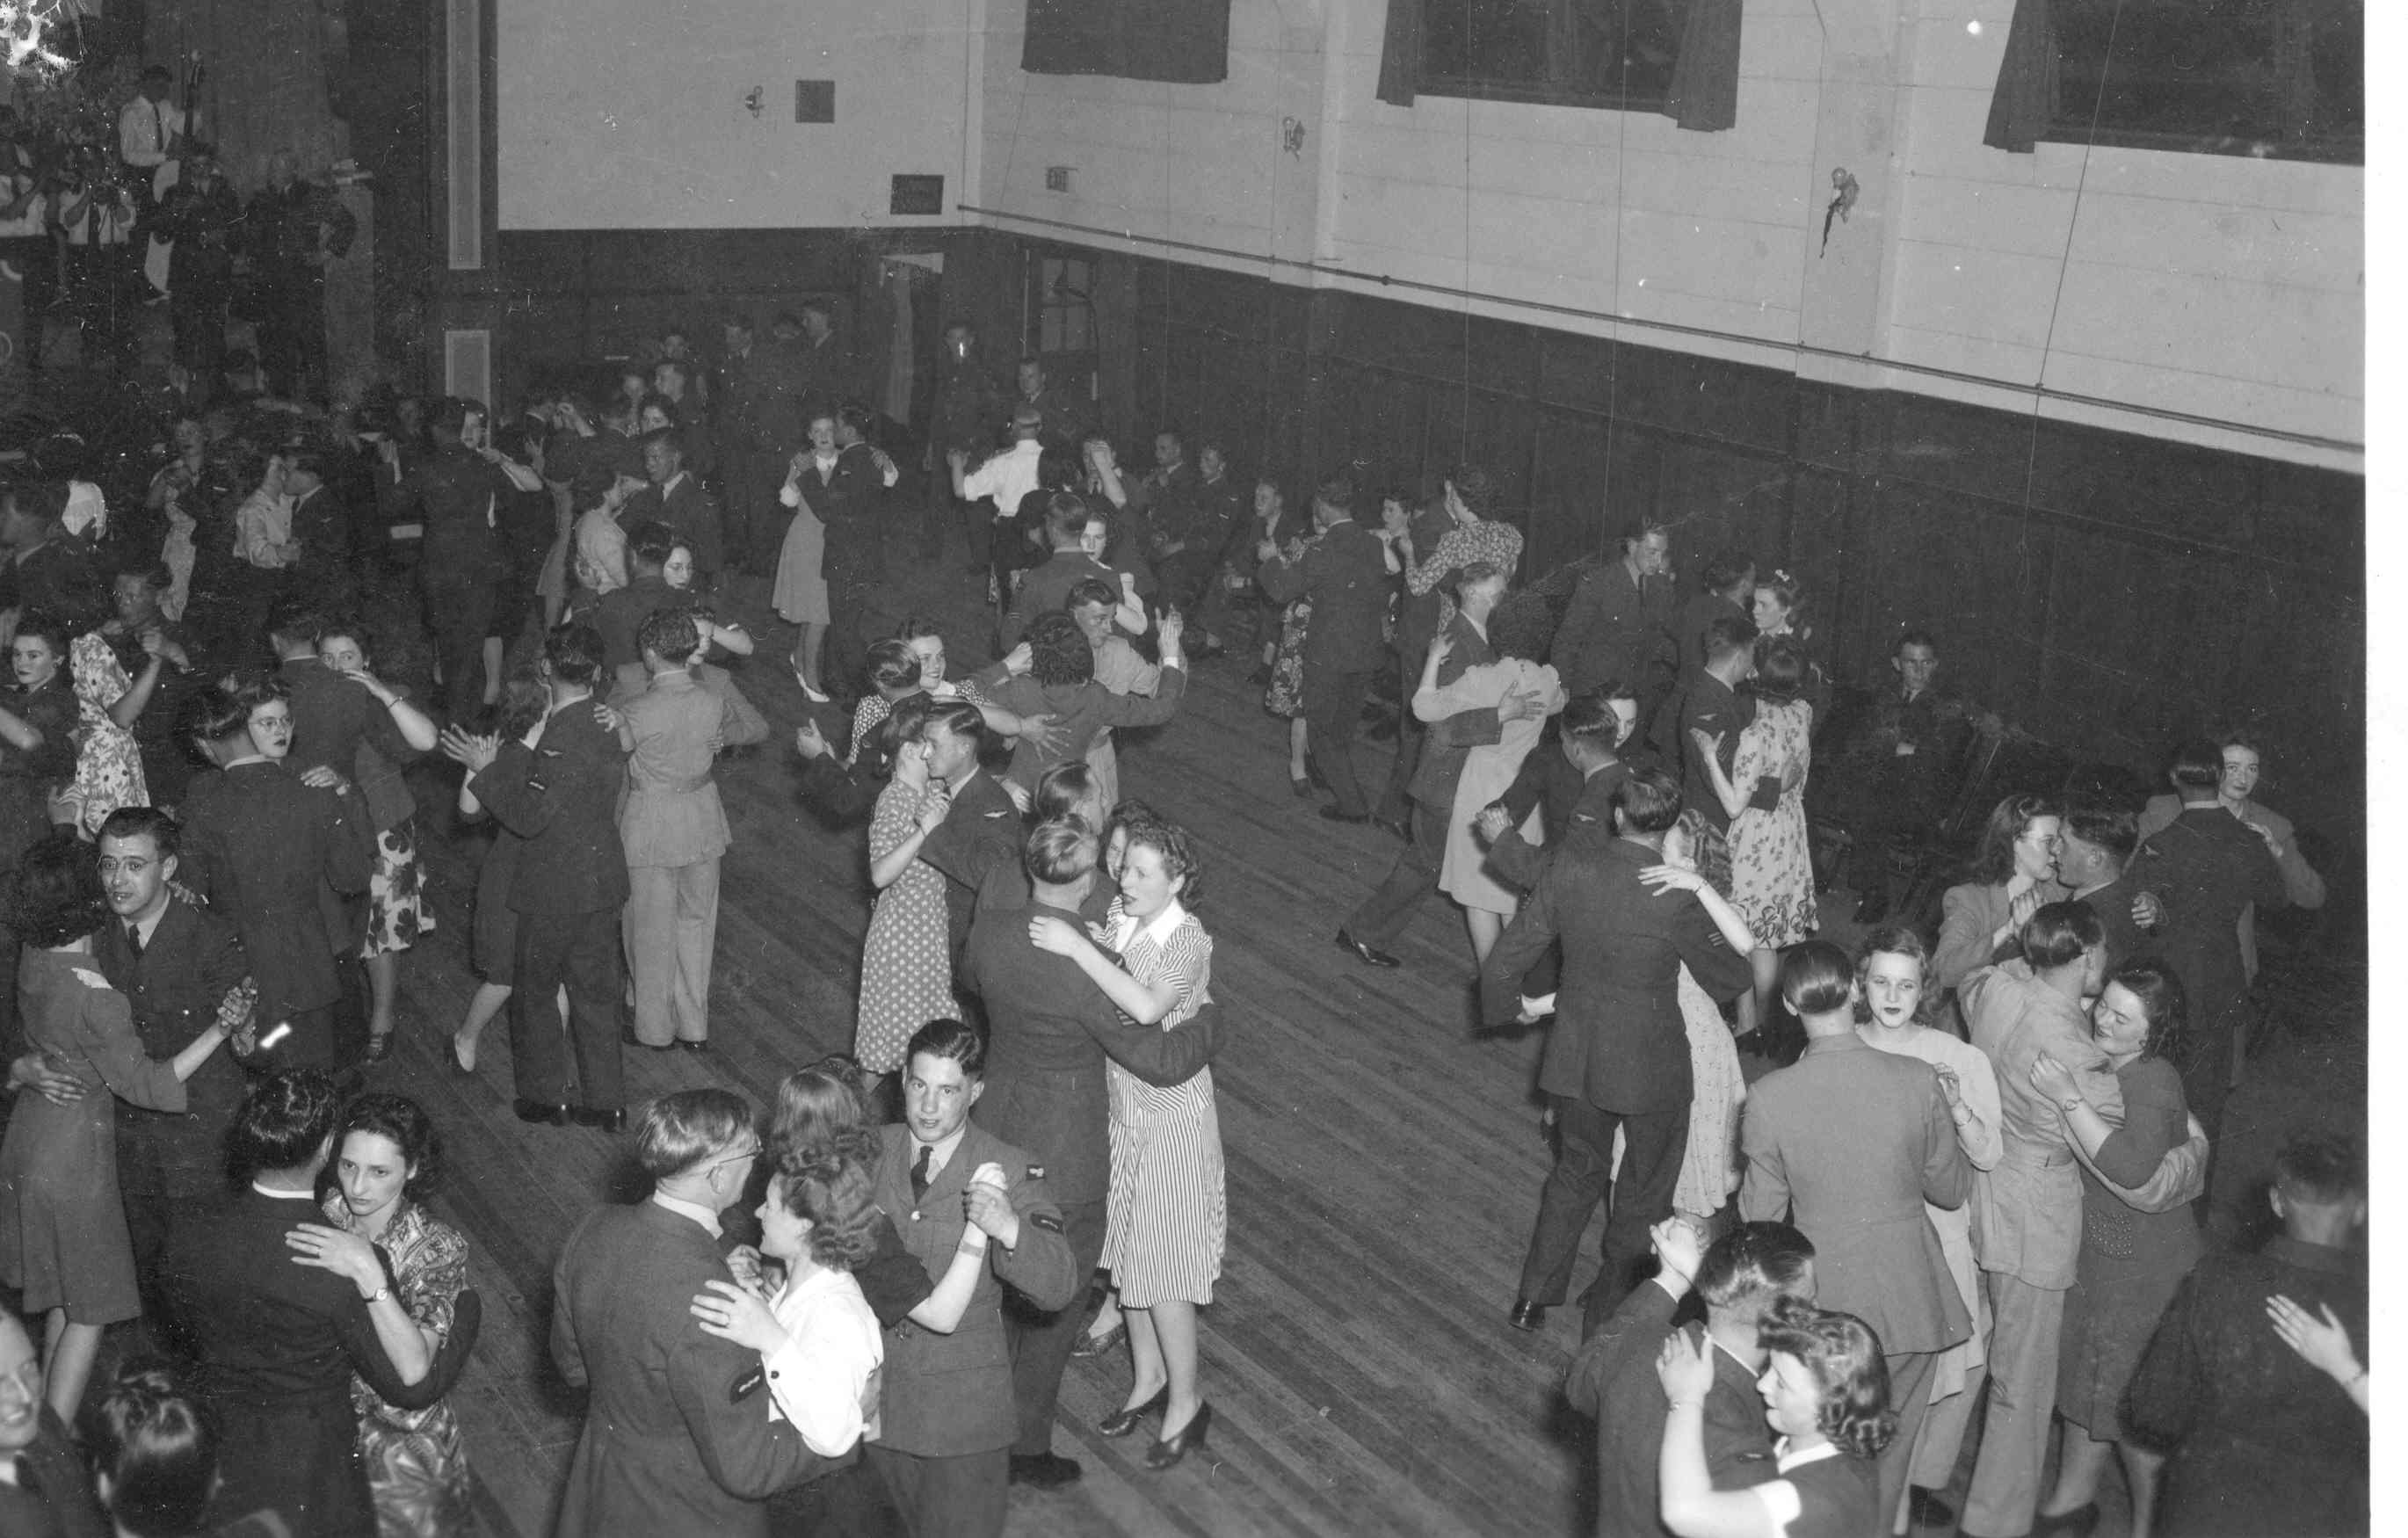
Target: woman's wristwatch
379 1295
2072 1103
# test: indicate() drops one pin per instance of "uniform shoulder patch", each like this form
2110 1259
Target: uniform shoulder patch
1050 1222
747 1384
1037 1171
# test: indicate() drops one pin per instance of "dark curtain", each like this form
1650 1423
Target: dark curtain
2026 99
1400 53
1704 91
1186 41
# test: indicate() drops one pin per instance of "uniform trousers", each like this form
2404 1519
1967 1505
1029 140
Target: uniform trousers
671 923
964 1495
1333 713
2025 1323
1943 1436
852 562
580 950
1041 1343
459 614
1394 802
1383 914
755 525
292 333
1654 1143
1910 1396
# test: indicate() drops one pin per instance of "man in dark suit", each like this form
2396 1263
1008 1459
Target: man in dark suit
947 1417
1372 928
1577 789
1346 574
280 1335
183 969
558 789
1618 1054
1618 625
979 829
271 853
1892 777
1613 1381
2208 866
44 1491
2262 1437
1075 532
1049 1030
2093 861
679 1436
1417 626
676 497
1726 592
1707 702
1849 1144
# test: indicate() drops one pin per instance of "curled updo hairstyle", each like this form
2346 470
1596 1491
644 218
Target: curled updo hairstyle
1787 591
1058 653
1180 856
1523 626
1844 1356
1994 860
1060 852
55 627
412 1132
54 897
525 700
652 541
157 1445
832 1192
281 1124
1780 666
1063 789
1897 940
2159 993
892 666
1816 978
822 1110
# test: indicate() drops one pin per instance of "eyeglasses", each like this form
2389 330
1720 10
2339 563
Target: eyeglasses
745 1157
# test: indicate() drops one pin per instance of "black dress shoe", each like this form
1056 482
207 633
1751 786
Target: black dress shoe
1925 1508
537 1112
2076 1523
1332 815
1365 953
1044 1470
1170 1449
1121 1422
610 1120
1527 1315
682 1044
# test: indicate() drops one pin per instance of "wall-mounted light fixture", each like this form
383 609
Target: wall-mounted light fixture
752 101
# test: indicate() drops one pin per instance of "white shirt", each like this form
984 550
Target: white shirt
1007 477
824 1379
143 129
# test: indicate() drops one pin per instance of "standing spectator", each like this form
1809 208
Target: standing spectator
294 228
1618 625
968 411
1617 1058
1893 778
62 1238
557 787
1063 415
275 853
2027 1208
822 367
181 968
1851 1144
677 1435
1346 579
2211 869
2258 1439
754 418
388 1158
201 219
2132 1260
280 1343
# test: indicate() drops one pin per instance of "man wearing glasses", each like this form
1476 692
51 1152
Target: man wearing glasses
677 1435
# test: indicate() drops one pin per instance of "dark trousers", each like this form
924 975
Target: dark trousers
1394 804
1654 1143
2207 1059
292 333
755 534
582 951
853 563
197 315
965 1496
1384 914
1333 713
1041 1343
458 616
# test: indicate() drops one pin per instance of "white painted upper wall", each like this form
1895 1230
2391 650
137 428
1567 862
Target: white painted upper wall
629 114
2215 286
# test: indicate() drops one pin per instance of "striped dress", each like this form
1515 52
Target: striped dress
1167 1218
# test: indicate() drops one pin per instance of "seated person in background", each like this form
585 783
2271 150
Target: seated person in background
2261 1441
1613 1379
1891 778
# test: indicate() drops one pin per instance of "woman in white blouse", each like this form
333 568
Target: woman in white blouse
817 1337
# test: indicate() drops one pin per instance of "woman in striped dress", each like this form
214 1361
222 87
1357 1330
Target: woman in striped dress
1167 1216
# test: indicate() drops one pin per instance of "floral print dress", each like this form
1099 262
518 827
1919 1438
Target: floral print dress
108 762
417 1466
1773 878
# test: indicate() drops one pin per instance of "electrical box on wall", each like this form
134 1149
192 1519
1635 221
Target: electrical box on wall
916 195
815 101
1057 179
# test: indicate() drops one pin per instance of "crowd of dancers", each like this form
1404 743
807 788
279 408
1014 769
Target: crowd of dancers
1928 1186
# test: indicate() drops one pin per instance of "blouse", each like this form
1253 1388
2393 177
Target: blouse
824 1379
262 532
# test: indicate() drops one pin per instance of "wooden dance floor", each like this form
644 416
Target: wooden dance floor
1382 1166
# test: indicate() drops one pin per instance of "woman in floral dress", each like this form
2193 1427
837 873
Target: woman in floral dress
1284 691
1772 875
108 762
907 971
386 1159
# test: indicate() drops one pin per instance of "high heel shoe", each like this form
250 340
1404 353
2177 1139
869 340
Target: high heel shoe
461 1069
1121 1422
1167 1452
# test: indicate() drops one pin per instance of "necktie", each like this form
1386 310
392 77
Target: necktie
920 1172
134 940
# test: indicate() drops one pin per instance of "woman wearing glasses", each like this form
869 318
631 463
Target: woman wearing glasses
2014 874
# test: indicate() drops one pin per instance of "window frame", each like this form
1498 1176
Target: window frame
1430 82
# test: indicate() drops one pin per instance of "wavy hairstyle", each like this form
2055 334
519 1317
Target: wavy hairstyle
410 1128
1845 1358
832 1192
2161 998
1180 855
822 1110
1994 858
1895 940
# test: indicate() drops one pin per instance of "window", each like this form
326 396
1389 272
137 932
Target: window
1061 321
2275 78
1606 53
